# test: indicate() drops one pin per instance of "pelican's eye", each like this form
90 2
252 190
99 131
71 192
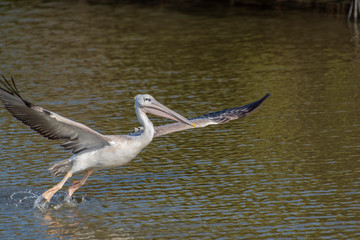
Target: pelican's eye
147 99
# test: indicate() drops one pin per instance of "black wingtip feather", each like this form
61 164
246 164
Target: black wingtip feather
265 97
249 108
11 88
254 105
259 102
227 115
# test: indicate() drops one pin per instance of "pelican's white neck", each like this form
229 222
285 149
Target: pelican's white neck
149 130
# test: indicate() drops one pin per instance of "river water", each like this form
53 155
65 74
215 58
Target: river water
289 170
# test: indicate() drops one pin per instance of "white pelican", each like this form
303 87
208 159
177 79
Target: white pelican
94 151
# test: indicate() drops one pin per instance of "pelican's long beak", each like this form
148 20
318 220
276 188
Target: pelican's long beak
158 109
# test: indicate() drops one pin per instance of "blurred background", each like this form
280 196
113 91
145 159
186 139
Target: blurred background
289 170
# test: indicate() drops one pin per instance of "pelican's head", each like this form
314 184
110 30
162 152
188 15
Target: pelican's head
147 104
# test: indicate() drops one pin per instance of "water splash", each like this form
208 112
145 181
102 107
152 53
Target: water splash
58 202
15 197
41 203
22 198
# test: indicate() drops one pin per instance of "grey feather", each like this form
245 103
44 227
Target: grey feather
219 117
49 124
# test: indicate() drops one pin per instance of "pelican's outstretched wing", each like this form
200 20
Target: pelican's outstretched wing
219 117
47 123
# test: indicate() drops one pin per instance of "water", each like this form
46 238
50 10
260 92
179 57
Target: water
289 170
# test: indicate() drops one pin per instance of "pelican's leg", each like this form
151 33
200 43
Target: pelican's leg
78 184
49 193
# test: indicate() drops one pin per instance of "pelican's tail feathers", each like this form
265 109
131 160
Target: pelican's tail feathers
61 166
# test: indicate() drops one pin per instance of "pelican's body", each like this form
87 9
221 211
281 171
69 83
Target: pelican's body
94 151
122 149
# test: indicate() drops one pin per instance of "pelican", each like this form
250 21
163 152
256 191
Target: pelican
94 151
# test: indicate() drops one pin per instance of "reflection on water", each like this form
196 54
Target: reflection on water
290 170
72 222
